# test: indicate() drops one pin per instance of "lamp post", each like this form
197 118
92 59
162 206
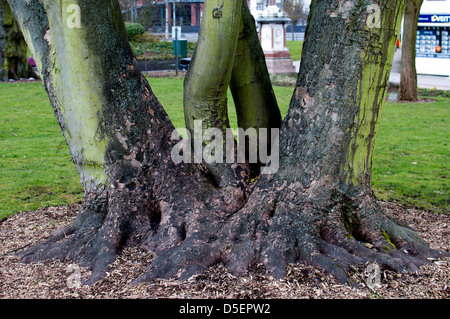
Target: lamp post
167 19
176 52
174 22
133 10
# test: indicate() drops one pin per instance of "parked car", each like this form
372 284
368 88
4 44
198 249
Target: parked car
184 64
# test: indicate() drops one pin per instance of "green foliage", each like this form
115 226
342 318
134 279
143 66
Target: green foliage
433 92
153 48
134 30
283 79
157 50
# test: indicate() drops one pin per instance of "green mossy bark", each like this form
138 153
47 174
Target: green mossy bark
209 74
339 96
229 55
77 77
372 86
208 78
251 87
255 101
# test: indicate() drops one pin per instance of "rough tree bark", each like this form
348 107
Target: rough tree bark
318 208
408 77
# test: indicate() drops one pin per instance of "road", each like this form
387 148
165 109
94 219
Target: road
423 81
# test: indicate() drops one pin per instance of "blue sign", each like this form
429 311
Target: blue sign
433 42
434 18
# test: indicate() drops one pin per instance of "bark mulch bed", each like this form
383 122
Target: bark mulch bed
51 279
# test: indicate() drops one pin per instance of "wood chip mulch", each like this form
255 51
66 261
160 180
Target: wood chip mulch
51 279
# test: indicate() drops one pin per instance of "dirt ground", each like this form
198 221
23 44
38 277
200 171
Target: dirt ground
54 278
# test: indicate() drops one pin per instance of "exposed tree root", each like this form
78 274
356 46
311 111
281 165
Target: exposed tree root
277 226
160 216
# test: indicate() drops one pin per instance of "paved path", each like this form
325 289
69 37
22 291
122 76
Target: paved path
423 81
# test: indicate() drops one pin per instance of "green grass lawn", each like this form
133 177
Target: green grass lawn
35 166
295 49
170 94
411 160
36 170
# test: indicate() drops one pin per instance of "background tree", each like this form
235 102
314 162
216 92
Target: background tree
131 8
149 15
295 9
318 208
408 77
13 48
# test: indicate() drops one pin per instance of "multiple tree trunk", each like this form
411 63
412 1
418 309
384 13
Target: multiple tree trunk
318 208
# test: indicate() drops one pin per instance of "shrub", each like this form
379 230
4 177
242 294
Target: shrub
134 30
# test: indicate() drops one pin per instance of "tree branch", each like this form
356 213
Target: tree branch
207 80
254 99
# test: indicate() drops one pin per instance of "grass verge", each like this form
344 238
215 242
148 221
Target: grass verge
295 49
411 159
410 162
35 166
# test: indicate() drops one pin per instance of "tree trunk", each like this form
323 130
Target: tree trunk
254 99
119 138
208 78
408 77
229 55
292 31
318 208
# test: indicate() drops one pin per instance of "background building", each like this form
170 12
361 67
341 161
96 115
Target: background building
159 16
187 12
152 13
